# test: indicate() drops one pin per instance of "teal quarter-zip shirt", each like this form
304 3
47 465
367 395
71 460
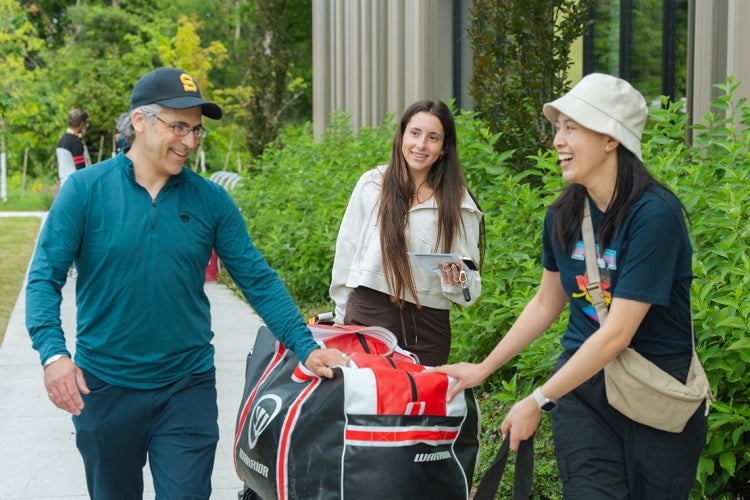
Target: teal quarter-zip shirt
143 319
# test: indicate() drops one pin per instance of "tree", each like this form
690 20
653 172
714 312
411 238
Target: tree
254 58
269 91
108 48
95 71
26 93
521 56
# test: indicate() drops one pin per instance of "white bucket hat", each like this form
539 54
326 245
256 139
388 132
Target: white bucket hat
604 104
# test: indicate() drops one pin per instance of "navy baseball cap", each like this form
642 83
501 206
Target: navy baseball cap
172 88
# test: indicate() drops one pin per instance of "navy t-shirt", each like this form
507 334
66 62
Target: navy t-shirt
649 260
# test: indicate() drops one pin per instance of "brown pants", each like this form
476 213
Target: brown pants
425 331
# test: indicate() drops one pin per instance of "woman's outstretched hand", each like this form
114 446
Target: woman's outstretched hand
467 375
523 419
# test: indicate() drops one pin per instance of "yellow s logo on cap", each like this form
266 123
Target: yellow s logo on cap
187 83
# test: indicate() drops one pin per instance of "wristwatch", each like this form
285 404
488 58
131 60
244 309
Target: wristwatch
54 358
545 404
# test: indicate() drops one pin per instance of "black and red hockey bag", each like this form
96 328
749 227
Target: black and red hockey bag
381 428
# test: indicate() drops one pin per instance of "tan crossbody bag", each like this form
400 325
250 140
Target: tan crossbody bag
635 386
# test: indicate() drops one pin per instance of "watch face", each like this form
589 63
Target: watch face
549 406
545 404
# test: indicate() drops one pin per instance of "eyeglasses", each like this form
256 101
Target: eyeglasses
181 130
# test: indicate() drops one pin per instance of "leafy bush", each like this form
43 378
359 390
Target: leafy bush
713 180
35 194
295 196
521 54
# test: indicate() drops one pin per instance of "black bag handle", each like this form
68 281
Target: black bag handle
524 471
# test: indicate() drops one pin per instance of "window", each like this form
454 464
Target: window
642 41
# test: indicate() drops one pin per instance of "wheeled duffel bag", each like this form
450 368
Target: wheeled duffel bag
381 428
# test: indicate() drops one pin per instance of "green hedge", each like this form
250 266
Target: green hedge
295 195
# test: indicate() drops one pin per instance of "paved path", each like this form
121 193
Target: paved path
38 456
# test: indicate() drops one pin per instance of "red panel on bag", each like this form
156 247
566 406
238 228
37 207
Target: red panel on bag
400 436
404 388
431 390
362 360
393 392
351 344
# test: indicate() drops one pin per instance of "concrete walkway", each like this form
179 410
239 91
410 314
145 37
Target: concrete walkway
38 455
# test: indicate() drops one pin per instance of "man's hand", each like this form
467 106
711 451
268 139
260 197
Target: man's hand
320 361
65 384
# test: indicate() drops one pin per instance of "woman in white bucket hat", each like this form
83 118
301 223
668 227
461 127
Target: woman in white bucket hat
644 257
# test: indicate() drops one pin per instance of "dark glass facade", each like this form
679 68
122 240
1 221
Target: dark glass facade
642 41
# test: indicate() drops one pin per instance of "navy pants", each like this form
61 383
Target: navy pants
602 454
175 426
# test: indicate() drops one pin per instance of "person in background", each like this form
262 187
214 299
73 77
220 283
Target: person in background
645 259
71 149
119 141
141 228
418 203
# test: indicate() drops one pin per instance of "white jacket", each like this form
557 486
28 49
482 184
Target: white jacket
358 260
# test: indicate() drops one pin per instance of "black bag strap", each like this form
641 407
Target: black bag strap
524 472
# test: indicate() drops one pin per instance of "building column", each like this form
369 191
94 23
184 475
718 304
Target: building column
375 57
719 40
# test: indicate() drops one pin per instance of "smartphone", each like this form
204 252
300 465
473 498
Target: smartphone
469 263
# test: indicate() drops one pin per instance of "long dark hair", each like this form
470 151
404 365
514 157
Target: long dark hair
632 180
448 184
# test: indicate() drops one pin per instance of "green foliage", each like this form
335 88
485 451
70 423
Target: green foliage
521 51
269 63
713 179
24 95
125 50
647 28
30 194
92 61
494 406
298 38
58 55
295 196
103 35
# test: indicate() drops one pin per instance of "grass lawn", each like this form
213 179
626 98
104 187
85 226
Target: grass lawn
17 239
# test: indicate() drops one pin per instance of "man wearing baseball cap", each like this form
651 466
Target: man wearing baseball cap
141 228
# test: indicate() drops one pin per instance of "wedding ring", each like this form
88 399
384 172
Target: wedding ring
344 356
49 394
446 268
